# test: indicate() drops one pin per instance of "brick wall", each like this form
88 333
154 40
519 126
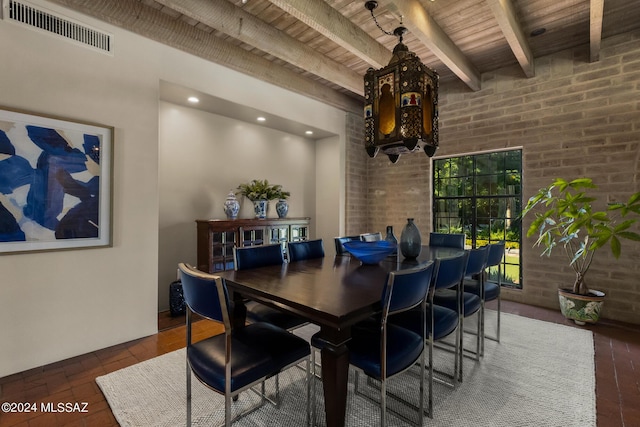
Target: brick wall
573 119
356 177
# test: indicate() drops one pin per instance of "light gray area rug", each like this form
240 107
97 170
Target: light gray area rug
541 374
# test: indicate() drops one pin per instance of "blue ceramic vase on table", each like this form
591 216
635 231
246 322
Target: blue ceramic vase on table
410 240
390 237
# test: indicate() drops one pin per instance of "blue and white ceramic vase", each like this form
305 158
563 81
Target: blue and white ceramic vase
231 206
410 240
260 208
282 207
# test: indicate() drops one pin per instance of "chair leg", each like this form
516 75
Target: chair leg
460 349
227 410
498 314
308 381
479 335
482 320
497 337
312 380
188 395
430 401
383 402
421 405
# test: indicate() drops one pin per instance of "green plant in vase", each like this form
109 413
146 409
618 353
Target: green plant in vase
565 217
260 192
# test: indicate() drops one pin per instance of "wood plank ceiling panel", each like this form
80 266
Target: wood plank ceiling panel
472 28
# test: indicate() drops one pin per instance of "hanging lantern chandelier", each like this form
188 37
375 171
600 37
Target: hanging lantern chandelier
401 103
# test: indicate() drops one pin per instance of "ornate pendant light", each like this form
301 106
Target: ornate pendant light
401 103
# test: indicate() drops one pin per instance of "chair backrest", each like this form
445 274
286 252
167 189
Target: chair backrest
449 240
307 249
371 237
340 241
451 271
406 289
257 256
496 253
477 261
205 294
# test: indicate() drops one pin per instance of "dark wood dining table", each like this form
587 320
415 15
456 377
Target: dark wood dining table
334 293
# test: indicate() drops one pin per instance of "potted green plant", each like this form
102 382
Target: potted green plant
565 217
259 192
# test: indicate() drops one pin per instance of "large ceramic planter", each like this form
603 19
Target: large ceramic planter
581 309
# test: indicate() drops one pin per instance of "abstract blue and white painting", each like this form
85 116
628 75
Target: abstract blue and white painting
55 183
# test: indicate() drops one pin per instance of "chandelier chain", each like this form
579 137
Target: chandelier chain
389 33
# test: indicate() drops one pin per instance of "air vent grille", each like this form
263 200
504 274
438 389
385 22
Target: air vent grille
35 17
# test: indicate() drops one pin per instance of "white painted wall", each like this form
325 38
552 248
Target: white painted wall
57 305
330 191
204 156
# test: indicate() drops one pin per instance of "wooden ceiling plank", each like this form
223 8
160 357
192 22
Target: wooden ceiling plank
140 19
505 14
418 21
224 16
336 27
595 29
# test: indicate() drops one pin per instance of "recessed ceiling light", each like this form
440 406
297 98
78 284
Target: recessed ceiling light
309 132
193 100
261 119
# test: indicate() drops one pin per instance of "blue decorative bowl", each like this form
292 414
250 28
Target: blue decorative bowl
370 252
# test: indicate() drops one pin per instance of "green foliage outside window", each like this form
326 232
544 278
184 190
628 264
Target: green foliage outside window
480 195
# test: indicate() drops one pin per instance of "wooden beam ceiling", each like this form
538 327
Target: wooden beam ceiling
322 48
505 14
335 26
595 29
225 17
418 21
156 25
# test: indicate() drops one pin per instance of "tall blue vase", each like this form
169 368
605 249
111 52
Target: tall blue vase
391 238
410 240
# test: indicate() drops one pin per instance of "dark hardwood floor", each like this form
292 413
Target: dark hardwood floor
617 349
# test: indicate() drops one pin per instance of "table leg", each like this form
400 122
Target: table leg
239 315
335 373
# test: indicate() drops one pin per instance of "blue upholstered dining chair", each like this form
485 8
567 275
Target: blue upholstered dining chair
471 303
382 349
441 321
306 249
262 256
449 240
488 290
340 241
235 361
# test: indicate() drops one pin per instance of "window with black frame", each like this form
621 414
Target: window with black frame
480 195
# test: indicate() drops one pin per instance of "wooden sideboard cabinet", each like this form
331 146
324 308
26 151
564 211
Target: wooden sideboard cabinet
217 237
